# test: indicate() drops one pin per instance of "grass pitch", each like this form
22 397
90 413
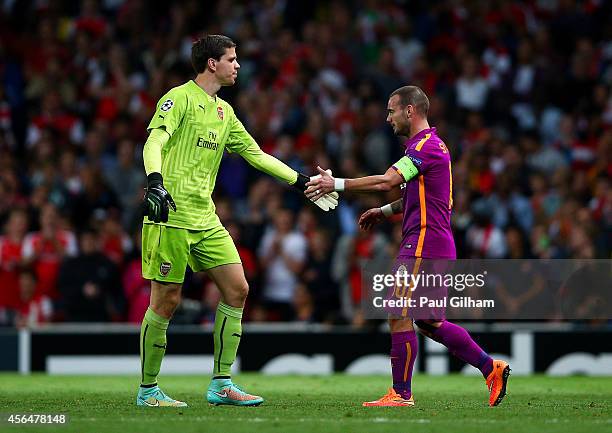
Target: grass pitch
312 404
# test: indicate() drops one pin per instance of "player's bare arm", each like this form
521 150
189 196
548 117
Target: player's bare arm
396 207
376 215
377 183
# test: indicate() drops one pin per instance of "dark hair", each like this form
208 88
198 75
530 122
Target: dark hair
413 95
26 270
207 47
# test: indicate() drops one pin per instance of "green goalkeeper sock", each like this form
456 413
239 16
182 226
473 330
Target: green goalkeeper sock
228 330
152 345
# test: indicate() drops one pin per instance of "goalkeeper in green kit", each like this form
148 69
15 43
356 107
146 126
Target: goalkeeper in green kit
189 132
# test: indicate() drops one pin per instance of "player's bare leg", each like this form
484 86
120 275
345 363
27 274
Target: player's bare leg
404 349
165 298
234 289
460 343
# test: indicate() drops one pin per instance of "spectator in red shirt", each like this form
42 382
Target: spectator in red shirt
114 241
34 308
44 250
53 116
10 257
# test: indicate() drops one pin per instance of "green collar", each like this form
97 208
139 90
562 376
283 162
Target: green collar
209 99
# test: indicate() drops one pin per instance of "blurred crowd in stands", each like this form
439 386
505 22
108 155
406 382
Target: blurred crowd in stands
521 92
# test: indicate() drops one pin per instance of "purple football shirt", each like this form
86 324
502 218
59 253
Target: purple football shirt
428 200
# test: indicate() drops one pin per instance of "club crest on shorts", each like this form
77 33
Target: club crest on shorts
220 112
400 289
164 268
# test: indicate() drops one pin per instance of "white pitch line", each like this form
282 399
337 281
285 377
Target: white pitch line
330 420
257 419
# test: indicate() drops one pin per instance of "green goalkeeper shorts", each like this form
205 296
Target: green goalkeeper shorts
166 251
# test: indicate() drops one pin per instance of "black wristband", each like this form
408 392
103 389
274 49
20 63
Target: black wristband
301 182
155 178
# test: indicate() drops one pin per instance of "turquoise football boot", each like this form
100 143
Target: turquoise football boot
155 397
223 391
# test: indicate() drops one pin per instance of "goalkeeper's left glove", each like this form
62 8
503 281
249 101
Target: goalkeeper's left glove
328 202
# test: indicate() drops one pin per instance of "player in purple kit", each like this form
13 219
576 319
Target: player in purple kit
426 204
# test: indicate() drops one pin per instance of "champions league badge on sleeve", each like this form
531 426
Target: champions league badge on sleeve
168 103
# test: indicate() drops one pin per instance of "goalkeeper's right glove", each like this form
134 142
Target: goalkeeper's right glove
328 201
157 200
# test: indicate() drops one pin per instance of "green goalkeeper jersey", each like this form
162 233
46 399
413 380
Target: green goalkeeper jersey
201 127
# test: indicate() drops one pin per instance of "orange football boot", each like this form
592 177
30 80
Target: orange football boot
391 398
497 381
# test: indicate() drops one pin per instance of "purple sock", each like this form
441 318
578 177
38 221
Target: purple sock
460 344
404 349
